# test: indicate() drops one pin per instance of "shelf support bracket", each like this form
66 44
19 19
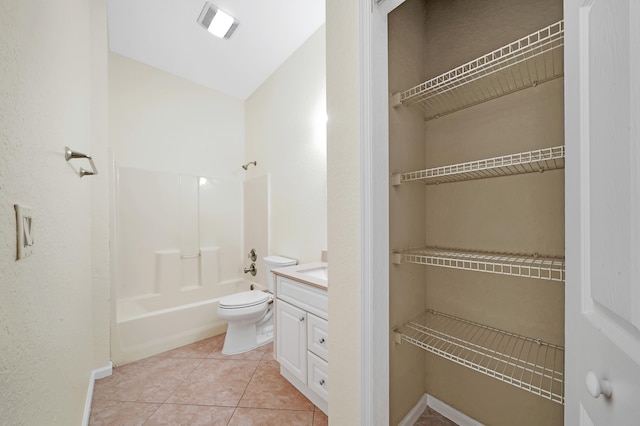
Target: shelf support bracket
397 336
396 100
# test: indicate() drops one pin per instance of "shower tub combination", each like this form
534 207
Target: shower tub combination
177 253
149 325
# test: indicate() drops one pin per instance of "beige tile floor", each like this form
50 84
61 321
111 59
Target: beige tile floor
198 385
431 417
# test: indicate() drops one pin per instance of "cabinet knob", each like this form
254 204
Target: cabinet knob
301 319
321 382
597 386
321 341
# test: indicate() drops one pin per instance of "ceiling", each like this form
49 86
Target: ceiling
164 34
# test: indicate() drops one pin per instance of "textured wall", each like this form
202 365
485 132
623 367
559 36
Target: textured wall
100 212
343 188
407 293
46 353
286 135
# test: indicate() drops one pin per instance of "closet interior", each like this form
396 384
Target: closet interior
476 155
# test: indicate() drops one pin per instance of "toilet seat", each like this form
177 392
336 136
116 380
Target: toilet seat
244 299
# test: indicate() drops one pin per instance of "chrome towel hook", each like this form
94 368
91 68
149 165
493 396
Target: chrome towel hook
70 154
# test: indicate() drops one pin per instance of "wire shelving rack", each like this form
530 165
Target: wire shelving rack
524 362
523 162
524 63
519 265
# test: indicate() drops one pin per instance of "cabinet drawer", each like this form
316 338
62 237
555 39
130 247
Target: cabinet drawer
309 298
318 336
318 371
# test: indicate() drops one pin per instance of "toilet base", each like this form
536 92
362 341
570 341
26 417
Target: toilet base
242 338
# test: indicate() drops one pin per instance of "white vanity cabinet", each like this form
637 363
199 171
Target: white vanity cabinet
292 339
302 338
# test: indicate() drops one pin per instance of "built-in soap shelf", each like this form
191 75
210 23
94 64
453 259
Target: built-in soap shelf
519 265
538 160
527 363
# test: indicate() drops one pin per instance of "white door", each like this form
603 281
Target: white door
602 83
291 346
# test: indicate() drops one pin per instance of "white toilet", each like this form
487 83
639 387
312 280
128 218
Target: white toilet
250 313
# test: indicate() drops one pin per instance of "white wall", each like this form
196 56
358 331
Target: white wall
256 193
343 171
49 61
161 122
100 186
286 135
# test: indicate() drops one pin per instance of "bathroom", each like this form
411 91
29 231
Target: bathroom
169 154
186 210
57 306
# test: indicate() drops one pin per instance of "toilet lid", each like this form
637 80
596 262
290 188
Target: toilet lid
244 299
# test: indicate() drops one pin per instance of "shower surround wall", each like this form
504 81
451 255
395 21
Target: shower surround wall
176 233
178 250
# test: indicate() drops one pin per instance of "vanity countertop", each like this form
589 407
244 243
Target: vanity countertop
314 274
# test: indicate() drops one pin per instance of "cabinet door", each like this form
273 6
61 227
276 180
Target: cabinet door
292 339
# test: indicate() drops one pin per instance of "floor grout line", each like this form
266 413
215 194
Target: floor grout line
151 415
197 355
245 390
185 379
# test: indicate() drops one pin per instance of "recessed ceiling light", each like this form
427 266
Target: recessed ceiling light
217 22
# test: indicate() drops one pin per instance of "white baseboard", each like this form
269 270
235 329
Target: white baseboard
101 373
451 413
439 406
96 374
412 416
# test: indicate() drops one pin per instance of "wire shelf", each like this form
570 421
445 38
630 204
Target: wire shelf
530 266
526 363
526 62
512 164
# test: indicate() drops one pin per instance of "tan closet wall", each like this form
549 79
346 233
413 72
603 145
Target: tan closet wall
407 224
517 214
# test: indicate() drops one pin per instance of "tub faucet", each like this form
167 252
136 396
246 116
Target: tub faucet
252 269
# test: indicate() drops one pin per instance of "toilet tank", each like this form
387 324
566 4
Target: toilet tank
273 262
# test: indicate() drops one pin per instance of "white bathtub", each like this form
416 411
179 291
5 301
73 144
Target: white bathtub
149 325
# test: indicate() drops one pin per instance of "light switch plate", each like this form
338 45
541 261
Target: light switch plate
24 224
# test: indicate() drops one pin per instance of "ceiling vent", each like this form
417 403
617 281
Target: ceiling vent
217 22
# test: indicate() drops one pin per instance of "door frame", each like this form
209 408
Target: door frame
574 221
374 213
